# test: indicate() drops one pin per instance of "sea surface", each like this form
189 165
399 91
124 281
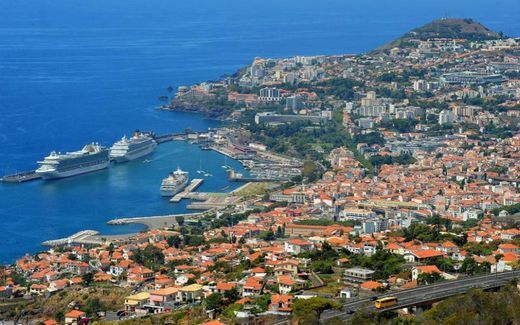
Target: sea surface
72 72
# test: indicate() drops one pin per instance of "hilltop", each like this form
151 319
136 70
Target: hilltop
451 28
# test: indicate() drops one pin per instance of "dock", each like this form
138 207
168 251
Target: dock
153 222
21 177
82 237
190 188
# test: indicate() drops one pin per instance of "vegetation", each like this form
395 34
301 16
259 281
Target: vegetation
477 307
383 262
403 159
308 311
452 28
151 257
511 209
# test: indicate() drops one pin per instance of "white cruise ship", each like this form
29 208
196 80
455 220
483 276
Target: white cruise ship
129 149
91 158
174 183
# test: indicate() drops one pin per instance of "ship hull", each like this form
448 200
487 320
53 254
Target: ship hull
134 154
171 192
56 174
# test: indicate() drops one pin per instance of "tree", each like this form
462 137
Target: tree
180 220
471 267
477 307
267 235
151 257
87 278
59 316
308 311
232 295
429 278
93 306
213 301
174 241
279 232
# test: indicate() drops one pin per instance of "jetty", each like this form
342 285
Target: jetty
169 137
190 188
153 222
83 237
21 177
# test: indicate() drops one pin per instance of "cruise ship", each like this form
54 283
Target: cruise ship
129 149
174 183
91 158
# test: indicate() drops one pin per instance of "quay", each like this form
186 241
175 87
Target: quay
21 177
190 188
170 137
210 202
82 237
154 222
233 176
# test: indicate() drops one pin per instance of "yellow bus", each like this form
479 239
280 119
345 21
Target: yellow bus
385 302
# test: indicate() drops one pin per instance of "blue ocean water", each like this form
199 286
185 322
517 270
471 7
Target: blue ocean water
72 72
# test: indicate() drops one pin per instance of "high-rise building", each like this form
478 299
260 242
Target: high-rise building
269 95
294 103
445 117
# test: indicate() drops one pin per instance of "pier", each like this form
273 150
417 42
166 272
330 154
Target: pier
169 137
190 188
21 177
154 222
82 237
210 201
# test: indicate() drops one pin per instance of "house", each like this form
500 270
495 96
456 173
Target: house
37 289
500 266
342 262
73 317
422 255
287 267
223 287
162 300
252 286
358 274
120 268
183 279
102 277
424 269
371 285
138 275
448 248
293 229
297 246
136 302
258 272
77 267
508 248
57 285
348 292
281 303
286 284
190 293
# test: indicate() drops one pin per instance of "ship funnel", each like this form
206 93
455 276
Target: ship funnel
136 134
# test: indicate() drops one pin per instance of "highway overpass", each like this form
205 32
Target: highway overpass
424 294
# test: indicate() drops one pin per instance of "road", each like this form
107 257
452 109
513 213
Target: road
424 294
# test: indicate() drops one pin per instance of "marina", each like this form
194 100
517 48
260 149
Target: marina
230 164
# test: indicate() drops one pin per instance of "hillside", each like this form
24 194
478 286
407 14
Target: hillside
451 28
